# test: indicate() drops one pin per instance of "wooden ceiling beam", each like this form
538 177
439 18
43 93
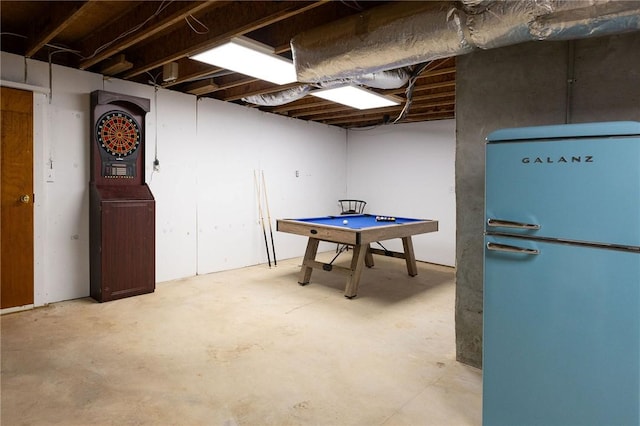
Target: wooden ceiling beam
306 112
279 34
201 87
352 120
304 103
377 111
433 115
59 19
433 96
229 83
328 107
234 19
348 112
362 119
427 114
433 73
172 14
422 87
189 71
429 105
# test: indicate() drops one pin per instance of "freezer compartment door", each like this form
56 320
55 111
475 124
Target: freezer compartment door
561 339
575 189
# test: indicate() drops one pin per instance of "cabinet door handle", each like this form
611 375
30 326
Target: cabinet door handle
511 249
511 224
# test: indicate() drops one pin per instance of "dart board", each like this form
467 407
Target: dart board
118 133
117 138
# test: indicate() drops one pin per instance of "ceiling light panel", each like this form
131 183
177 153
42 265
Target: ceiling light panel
251 58
355 97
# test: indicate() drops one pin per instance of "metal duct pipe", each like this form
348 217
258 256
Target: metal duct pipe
279 98
401 34
570 20
393 79
388 37
502 23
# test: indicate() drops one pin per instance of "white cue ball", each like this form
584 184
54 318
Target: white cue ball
345 221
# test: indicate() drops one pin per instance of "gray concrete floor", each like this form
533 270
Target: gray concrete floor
246 347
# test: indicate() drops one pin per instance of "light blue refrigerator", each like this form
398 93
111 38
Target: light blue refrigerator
561 342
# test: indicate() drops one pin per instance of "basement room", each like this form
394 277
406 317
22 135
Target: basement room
320 212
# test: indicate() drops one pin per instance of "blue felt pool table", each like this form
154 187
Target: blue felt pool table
358 231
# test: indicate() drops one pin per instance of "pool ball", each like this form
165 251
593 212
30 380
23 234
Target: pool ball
345 221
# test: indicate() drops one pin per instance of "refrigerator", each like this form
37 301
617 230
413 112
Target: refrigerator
561 314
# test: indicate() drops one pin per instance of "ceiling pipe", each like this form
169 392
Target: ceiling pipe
392 79
376 47
401 34
392 36
279 98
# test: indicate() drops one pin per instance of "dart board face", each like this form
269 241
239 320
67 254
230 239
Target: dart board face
118 133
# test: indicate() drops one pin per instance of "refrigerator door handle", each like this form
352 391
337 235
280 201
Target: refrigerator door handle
510 224
511 249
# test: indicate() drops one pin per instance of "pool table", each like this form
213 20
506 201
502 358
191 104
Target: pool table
357 231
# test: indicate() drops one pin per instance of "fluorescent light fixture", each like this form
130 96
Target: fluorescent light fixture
251 58
355 97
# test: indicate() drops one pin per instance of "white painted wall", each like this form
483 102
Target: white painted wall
174 185
235 141
408 170
206 207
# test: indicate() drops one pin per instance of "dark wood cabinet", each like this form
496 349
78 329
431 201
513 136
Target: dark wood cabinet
122 242
122 208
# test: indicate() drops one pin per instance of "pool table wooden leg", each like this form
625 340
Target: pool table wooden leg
409 256
368 258
357 265
309 256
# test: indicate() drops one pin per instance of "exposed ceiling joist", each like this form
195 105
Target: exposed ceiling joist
238 20
134 40
145 21
58 21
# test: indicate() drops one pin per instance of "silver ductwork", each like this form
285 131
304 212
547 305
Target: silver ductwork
376 47
279 98
502 23
388 37
592 18
494 24
392 79
401 34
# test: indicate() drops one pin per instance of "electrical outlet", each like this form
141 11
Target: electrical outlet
51 175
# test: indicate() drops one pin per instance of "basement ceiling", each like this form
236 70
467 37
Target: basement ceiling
140 40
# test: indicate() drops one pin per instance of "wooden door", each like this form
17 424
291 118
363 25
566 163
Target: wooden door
16 186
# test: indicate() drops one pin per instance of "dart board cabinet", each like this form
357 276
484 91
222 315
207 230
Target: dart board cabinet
122 207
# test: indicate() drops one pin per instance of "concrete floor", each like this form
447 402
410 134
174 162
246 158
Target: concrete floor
246 347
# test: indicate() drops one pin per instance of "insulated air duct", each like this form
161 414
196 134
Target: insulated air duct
388 37
401 34
279 98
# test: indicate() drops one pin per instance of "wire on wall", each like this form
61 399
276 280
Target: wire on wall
156 162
